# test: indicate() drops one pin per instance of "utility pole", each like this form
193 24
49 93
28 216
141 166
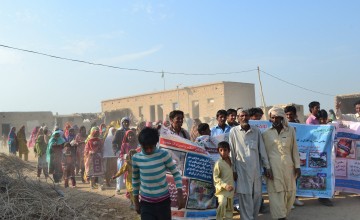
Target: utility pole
262 95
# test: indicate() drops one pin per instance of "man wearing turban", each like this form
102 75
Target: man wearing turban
282 150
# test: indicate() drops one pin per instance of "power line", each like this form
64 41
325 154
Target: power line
161 72
123 68
310 90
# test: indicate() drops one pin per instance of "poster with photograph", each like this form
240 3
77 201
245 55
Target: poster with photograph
195 166
315 146
347 165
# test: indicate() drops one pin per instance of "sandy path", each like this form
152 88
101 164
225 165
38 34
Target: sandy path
346 206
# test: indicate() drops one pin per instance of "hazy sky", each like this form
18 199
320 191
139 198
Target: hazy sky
313 44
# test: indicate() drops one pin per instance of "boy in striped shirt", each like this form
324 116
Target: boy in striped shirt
149 178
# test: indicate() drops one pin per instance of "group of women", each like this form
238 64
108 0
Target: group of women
95 156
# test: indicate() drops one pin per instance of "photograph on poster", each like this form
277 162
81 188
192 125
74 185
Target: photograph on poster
173 190
345 148
317 160
317 182
178 158
201 195
303 158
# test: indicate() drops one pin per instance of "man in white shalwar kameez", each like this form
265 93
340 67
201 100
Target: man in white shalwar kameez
282 150
248 155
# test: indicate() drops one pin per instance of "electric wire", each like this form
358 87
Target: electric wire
123 68
301 87
162 72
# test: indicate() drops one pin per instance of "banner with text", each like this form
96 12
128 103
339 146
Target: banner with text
315 145
195 166
347 163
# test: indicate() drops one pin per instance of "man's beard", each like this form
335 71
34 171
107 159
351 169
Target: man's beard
244 124
274 124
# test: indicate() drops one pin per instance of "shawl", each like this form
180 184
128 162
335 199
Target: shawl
21 133
122 122
52 141
108 151
32 139
12 134
91 135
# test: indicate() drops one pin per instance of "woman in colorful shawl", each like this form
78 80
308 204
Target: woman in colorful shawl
129 143
80 146
93 158
12 141
32 139
102 131
116 143
22 143
66 129
54 153
40 152
109 157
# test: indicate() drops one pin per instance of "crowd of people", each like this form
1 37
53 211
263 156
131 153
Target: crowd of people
110 152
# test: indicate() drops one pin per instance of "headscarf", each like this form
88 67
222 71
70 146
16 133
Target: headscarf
33 136
279 112
21 133
52 141
66 129
108 151
102 125
122 122
72 136
12 134
81 128
125 139
110 135
76 128
91 135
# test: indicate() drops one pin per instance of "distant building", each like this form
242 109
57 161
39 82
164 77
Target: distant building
347 102
33 119
79 119
29 119
201 101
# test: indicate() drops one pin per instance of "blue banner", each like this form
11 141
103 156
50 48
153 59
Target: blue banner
315 145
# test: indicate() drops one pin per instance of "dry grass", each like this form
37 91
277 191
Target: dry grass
22 197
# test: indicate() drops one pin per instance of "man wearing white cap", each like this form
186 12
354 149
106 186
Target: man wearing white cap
282 150
248 157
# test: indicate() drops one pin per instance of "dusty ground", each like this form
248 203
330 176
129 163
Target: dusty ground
346 206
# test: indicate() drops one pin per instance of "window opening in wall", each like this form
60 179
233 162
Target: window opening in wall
140 111
175 106
211 100
195 109
160 112
152 112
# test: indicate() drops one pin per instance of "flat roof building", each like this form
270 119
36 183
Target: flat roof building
347 102
201 101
